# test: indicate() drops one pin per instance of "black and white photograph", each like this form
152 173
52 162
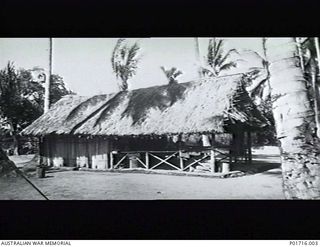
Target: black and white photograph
159 118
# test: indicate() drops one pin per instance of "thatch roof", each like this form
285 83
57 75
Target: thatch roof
192 107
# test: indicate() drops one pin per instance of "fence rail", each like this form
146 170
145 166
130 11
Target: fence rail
181 160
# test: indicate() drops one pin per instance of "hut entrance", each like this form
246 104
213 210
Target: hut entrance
240 148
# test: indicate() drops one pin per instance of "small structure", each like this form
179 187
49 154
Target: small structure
179 126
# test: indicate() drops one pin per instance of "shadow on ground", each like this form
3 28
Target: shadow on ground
262 163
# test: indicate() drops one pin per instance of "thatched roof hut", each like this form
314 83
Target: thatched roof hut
192 107
101 131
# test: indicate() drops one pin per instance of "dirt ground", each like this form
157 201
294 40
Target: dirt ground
263 181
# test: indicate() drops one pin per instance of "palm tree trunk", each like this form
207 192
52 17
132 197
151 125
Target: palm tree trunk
316 40
316 100
124 86
15 138
48 78
15 144
315 87
298 41
197 50
295 121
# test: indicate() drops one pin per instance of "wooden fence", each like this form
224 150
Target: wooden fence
181 160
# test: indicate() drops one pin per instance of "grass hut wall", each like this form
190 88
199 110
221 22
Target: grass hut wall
84 131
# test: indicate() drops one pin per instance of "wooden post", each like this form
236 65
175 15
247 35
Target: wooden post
133 162
40 150
246 149
111 160
213 140
249 148
212 160
181 160
234 148
147 160
231 151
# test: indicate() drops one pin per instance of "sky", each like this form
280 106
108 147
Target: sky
84 63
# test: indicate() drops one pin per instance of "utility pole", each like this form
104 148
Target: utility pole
197 48
47 83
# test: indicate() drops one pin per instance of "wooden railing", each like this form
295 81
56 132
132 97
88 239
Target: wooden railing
181 160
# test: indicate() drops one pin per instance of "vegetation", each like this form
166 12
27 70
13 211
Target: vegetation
124 62
294 120
171 74
217 59
22 99
293 93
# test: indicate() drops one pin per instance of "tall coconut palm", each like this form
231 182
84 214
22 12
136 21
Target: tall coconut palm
308 58
294 120
316 41
300 53
217 59
48 80
124 62
198 59
171 74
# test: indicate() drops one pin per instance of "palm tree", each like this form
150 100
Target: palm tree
316 41
124 62
48 80
197 52
171 74
310 68
216 59
300 53
294 120
307 61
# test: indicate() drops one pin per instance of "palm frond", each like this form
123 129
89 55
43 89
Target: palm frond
115 52
125 61
207 72
177 73
257 54
132 53
218 49
210 54
262 58
164 70
227 55
214 51
171 74
228 66
216 58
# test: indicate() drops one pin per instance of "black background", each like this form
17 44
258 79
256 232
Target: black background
172 219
